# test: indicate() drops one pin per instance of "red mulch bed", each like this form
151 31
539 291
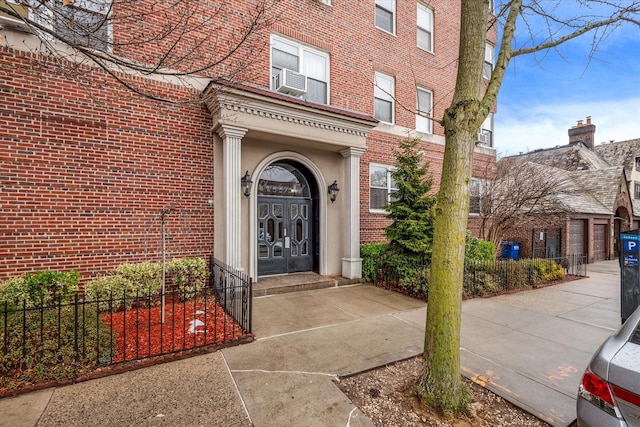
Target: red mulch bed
140 332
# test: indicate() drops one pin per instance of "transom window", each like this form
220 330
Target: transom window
381 187
312 63
424 107
425 28
385 15
489 61
383 93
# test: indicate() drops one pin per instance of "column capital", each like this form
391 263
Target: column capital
226 131
353 152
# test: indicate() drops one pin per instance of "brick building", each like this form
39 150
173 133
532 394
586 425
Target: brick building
88 169
596 203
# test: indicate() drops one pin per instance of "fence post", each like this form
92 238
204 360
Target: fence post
75 327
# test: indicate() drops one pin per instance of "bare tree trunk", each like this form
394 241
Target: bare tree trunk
440 384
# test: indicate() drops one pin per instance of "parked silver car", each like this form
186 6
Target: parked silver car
609 394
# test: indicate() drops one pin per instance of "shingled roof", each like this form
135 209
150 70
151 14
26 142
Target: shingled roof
572 157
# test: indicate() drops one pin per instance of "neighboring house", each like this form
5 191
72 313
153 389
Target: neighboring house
595 203
87 170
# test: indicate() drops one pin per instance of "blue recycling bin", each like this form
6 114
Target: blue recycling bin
510 250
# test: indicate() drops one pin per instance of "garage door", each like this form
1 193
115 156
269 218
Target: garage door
599 242
576 237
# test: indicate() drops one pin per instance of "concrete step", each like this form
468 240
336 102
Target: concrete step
295 282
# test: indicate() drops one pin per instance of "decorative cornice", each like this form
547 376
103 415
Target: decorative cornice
290 115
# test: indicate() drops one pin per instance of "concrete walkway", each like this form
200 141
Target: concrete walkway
530 348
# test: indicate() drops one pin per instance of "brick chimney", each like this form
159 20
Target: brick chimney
584 133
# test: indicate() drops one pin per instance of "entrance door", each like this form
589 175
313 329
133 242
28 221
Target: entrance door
284 235
287 219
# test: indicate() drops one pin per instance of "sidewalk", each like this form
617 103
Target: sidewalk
530 348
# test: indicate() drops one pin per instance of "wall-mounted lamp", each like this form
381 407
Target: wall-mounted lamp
246 184
333 191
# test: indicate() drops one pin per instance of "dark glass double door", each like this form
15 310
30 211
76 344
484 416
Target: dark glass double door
284 235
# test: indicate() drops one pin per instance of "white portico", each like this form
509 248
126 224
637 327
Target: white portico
293 151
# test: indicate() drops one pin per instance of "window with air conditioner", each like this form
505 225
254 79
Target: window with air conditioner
423 108
381 187
299 70
83 23
485 134
383 93
425 28
386 15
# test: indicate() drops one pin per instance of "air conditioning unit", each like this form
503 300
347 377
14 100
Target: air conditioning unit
290 82
484 138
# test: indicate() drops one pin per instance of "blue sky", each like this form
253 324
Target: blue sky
543 96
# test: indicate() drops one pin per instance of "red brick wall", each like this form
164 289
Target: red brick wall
87 166
83 182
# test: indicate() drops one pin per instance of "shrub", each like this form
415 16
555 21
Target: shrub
543 270
409 273
371 254
107 288
478 250
189 274
145 277
46 349
41 288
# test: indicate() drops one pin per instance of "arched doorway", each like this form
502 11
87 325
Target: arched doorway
287 219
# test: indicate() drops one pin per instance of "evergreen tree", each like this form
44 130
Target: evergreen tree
412 207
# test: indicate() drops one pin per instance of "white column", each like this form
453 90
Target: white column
232 173
351 261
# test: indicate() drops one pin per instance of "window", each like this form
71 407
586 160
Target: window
475 196
385 15
383 93
638 163
304 60
485 135
381 186
636 193
425 28
424 106
82 22
489 60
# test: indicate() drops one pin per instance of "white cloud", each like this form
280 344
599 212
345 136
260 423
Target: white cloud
528 127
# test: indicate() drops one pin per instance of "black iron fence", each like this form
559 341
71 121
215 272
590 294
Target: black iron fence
480 277
233 289
489 277
71 338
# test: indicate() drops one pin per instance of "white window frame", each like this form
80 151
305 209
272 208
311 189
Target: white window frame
486 129
384 90
390 188
390 7
425 27
423 124
476 190
301 49
45 17
489 60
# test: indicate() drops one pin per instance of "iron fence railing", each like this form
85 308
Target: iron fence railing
233 288
480 277
41 342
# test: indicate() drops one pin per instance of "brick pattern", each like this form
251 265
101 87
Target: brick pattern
83 183
87 166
